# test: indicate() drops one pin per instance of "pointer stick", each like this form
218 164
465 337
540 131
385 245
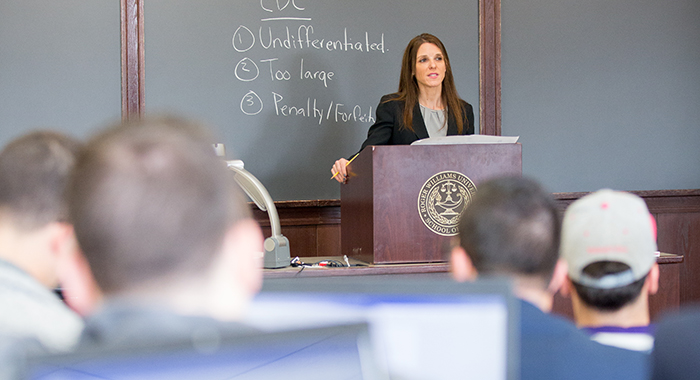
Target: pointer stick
355 156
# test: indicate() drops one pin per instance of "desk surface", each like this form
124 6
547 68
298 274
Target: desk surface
360 268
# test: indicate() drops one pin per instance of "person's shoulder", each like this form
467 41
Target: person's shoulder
14 353
465 104
541 325
689 315
390 103
119 324
391 100
393 97
551 343
677 346
33 310
679 327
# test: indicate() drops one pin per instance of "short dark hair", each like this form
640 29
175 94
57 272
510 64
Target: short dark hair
513 227
34 170
150 201
608 299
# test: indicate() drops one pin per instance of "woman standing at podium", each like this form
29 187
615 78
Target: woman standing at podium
426 104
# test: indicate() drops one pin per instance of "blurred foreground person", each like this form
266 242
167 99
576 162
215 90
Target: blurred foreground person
169 241
34 237
512 228
676 354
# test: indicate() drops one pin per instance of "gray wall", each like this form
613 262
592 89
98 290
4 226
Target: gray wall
604 93
59 66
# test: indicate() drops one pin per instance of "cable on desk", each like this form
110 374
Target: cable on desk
296 262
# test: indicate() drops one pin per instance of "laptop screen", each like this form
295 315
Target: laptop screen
337 352
419 329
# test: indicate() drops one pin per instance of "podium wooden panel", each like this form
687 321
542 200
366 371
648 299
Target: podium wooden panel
380 220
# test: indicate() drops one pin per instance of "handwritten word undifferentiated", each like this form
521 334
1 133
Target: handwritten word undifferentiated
244 40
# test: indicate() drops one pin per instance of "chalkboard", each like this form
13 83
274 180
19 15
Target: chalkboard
292 85
59 66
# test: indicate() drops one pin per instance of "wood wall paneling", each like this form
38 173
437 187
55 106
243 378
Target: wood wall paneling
677 214
313 228
680 232
668 297
133 59
490 67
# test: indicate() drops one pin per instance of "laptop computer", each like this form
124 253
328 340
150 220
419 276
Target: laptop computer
419 328
334 352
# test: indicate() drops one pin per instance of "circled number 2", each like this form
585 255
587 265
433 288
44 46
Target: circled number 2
247 70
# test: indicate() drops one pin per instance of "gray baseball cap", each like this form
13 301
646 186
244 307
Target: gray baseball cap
613 226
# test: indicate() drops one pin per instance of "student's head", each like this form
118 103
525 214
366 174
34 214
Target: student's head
34 170
512 228
153 207
608 241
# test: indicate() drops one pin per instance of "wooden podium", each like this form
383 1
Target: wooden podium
401 203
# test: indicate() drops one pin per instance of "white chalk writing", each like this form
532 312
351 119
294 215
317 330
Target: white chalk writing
336 112
289 28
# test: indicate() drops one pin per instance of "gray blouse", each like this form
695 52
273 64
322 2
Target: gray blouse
434 121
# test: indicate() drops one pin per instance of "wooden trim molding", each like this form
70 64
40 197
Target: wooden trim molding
490 67
133 59
313 229
302 213
658 201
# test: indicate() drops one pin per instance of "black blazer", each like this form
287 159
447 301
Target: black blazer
387 129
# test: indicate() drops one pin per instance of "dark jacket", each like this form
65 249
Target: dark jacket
553 348
387 130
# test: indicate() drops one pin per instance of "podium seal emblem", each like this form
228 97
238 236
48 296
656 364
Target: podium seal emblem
442 200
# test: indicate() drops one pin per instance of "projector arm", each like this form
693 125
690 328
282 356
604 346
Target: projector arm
277 245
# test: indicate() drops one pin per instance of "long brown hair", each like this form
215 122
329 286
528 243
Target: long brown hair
408 86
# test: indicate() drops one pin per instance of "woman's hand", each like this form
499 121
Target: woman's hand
339 168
